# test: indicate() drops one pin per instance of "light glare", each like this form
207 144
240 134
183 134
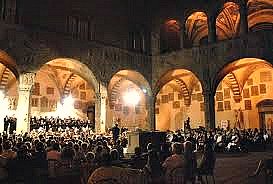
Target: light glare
131 97
68 101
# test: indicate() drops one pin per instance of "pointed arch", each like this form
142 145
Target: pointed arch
196 27
227 21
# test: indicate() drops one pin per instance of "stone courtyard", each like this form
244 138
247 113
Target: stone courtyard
236 168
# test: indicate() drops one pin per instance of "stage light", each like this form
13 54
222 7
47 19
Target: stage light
65 108
131 97
68 101
144 90
2 95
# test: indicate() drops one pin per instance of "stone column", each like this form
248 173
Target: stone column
243 19
155 40
151 112
212 37
101 110
182 32
209 104
23 107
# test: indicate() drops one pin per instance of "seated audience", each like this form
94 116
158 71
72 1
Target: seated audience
153 169
176 159
54 153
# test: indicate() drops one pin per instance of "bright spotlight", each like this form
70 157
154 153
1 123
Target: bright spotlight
131 97
66 108
144 90
2 94
68 101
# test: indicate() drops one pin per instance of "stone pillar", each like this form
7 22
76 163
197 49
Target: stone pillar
182 32
155 40
23 107
4 108
212 37
243 19
151 112
209 104
101 109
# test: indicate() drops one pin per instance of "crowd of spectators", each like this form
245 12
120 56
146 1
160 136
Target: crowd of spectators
225 140
81 156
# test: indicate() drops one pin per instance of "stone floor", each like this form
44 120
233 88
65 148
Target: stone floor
236 168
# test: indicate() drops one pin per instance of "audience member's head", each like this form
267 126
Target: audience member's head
90 156
40 147
105 160
137 151
67 153
76 147
56 147
150 147
177 148
114 155
7 145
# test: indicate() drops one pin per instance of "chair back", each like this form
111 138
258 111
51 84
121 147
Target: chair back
117 175
175 176
108 181
52 167
211 166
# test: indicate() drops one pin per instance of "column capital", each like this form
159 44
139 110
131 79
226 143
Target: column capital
100 96
207 92
26 81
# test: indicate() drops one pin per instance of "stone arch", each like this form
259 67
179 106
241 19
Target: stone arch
178 90
77 68
250 80
265 102
9 62
227 21
196 27
167 77
9 80
228 67
132 115
170 35
260 14
65 77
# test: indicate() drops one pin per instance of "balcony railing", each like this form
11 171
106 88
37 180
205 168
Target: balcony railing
252 44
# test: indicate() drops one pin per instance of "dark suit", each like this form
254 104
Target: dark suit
6 124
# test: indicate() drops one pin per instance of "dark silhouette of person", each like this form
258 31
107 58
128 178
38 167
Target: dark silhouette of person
6 124
187 125
115 132
12 125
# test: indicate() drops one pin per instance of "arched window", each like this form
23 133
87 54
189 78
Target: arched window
170 36
137 40
197 29
260 13
228 21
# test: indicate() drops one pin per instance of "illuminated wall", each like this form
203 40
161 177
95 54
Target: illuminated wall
257 87
46 96
131 115
171 111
